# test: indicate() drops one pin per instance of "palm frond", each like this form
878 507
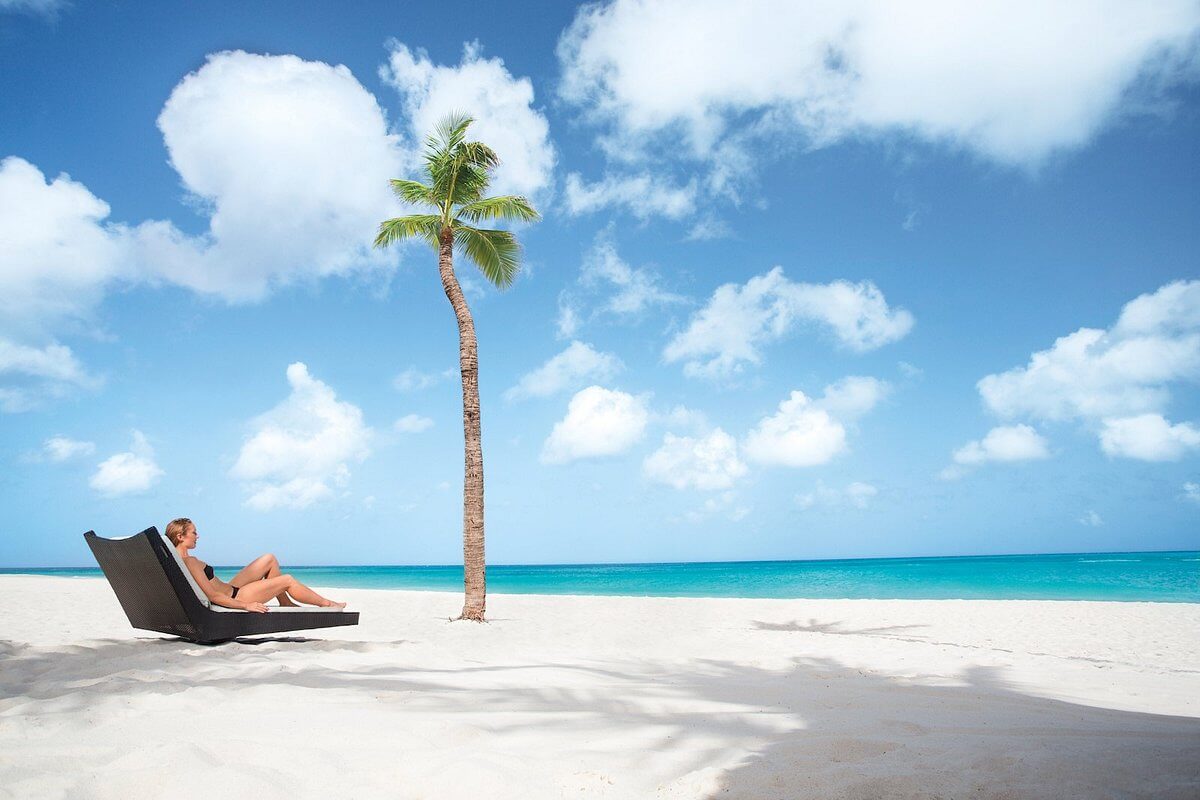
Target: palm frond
414 192
505 207
470 183
450 131
421 226
459 170
478 154
496 253
443 155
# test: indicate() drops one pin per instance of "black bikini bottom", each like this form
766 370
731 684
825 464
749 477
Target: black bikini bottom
235 589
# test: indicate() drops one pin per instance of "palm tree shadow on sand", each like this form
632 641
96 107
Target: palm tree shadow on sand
816 728
815 626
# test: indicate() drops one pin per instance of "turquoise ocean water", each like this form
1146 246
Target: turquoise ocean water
1164 577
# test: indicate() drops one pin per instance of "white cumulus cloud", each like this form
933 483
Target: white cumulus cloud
503 108
799 434
1092 373
853 396
59 253
579 363
708 463
1012 81
731 329
131 472
302 447
1148 437
1005 443
291 158
599 422
1117 379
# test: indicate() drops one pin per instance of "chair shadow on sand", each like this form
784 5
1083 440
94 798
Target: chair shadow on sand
815 729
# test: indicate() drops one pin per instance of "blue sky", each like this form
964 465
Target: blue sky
838 286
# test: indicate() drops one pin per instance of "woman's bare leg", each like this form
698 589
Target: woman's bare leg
260 591
261 568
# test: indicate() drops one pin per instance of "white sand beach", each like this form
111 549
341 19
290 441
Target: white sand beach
605 697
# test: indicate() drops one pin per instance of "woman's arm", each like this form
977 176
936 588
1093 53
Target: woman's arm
206 586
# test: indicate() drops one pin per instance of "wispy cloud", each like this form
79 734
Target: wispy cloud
642 195
58 449
856 495
414 380
412 423
609 287
32 375
579 363
46 8
730 331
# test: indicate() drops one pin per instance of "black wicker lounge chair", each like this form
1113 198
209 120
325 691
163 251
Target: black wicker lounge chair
158 594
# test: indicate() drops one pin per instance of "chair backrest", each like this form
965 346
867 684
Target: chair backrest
200 595
154 590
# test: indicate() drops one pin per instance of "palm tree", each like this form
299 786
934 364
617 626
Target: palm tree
459 172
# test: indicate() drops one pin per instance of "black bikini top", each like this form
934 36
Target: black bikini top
208 572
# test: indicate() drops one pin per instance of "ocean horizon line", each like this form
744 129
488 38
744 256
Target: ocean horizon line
858 559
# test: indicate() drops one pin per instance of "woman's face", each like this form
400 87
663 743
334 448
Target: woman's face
189 538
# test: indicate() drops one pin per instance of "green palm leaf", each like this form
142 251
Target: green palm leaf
505 207
496 253
414 192
421 226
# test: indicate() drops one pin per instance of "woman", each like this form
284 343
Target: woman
258 582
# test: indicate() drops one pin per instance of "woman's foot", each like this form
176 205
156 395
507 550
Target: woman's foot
331 604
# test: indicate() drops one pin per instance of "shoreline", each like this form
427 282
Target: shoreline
609 697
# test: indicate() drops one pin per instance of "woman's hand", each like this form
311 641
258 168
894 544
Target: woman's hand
256 607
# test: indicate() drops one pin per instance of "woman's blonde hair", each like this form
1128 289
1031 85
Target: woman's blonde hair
177 529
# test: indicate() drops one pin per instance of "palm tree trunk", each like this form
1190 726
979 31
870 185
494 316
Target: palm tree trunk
474 571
